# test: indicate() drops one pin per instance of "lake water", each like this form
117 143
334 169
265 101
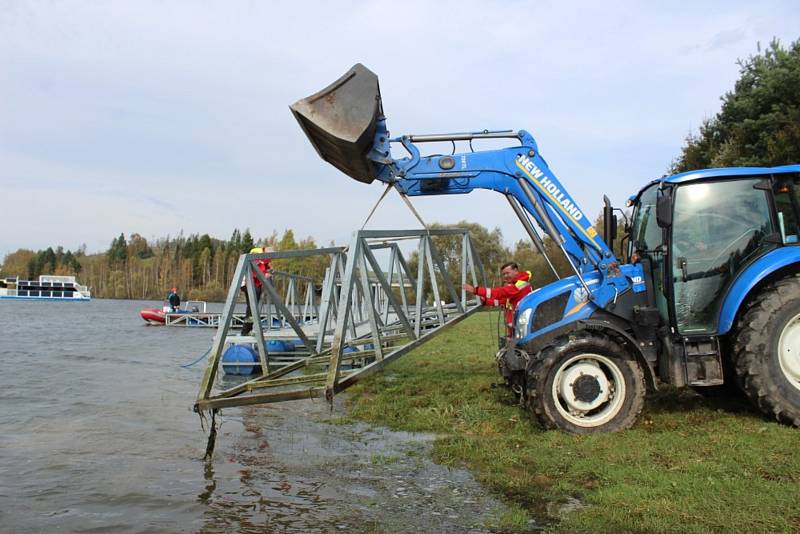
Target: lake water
97 434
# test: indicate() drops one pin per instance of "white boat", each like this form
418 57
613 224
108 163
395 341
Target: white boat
48 287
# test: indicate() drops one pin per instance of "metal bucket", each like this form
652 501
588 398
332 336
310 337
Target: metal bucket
340 121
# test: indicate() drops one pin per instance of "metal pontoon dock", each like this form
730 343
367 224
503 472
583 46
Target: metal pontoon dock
292 285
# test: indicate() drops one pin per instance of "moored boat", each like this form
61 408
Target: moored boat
47 287
153 315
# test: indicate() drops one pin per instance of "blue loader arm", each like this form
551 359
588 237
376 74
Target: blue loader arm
345 123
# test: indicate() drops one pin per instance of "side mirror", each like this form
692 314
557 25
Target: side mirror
664 208
609 223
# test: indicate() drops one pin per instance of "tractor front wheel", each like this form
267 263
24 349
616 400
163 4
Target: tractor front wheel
585 382
767 350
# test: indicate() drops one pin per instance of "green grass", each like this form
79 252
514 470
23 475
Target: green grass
690 464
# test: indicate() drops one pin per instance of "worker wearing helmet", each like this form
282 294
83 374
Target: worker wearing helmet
174 299
263 265
517 284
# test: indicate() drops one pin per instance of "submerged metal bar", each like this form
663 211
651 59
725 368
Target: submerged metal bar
215 355
262 398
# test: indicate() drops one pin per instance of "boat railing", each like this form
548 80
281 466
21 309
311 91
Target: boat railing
190 306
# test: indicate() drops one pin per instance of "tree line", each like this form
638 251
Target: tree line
134 268
201 267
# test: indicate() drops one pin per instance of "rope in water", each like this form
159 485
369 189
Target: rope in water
197 360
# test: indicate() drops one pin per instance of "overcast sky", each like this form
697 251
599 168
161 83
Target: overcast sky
157 117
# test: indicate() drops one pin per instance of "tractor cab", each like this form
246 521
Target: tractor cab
700 233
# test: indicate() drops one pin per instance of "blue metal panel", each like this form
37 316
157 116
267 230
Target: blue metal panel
747 280
536 297
578 306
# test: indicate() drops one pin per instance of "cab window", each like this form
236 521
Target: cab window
645 232
718 228
787 203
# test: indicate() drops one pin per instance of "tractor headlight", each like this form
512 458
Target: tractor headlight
523 318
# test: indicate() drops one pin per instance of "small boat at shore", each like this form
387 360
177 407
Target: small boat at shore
47 287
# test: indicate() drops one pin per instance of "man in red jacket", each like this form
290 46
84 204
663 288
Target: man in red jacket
517 285
265 267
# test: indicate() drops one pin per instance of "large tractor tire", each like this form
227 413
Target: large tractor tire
585 382
767 350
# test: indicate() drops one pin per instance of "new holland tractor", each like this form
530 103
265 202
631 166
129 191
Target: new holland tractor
710 291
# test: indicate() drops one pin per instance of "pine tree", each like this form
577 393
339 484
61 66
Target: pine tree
759 123
247 242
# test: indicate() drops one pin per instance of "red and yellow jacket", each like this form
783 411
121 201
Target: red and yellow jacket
508 295
262 265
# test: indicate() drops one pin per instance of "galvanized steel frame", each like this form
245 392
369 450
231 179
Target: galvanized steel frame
356 292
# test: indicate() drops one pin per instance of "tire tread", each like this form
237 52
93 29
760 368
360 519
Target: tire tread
562 345
751 348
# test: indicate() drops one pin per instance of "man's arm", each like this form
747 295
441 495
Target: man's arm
492 296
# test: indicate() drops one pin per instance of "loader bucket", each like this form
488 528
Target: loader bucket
340 121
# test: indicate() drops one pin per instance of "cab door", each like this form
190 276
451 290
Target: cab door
717 229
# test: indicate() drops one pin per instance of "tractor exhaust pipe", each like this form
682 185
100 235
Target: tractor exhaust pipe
341 121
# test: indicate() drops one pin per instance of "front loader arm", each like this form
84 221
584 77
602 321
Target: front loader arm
345 123
518 171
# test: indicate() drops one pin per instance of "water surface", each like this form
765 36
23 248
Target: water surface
97 434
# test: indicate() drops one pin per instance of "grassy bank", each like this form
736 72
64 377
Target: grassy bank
690 464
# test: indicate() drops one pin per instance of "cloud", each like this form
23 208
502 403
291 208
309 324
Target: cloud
152 117
725 39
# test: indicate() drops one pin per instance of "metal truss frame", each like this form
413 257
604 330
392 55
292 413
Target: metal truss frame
367 315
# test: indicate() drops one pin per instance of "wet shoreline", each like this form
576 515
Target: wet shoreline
306 471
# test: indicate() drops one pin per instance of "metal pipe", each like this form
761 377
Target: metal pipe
537 241
540 211
550 227
464 136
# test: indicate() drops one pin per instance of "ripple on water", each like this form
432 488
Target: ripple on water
98 435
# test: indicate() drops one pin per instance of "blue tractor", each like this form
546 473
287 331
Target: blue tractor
709 291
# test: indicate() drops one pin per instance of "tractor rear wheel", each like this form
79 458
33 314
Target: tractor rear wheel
767 350
585 382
